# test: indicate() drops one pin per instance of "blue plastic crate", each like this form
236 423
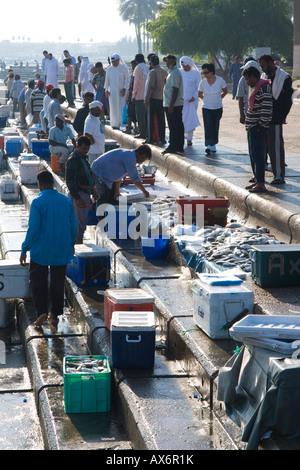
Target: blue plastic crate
90 266
40 147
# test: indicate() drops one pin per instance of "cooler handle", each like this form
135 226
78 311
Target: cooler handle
138 340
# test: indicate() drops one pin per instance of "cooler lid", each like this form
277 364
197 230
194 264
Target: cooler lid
268 326
277 248
129 295
25 162
89 250
133 320
11 264
28 156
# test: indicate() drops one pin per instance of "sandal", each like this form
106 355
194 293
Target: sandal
40 320
258 189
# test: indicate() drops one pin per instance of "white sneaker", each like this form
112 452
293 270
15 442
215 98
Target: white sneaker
208 149
213 148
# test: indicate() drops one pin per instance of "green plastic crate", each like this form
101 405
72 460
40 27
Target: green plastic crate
275 265
86 392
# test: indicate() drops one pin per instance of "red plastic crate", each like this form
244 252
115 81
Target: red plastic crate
190 206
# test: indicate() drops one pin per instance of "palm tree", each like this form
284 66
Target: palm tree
138 12
296 61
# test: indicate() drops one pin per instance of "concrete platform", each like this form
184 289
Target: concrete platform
186 361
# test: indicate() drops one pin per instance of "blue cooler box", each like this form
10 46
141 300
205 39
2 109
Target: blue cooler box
40 147
90 266
133 339
14 145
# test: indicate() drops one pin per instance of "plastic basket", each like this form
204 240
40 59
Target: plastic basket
87 392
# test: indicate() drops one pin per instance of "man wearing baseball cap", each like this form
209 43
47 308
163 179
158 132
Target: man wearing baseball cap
93 130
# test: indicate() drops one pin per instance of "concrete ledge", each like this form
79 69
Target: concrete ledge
266 213
294 225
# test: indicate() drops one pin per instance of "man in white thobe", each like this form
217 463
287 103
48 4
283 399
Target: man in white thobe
116 85
51 71
191 78
86 76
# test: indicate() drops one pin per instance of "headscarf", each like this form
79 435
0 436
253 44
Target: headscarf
117 56
185 60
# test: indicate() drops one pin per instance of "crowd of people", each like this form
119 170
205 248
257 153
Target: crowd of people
152 96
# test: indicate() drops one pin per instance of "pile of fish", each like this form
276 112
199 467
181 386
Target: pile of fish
227 247
86 364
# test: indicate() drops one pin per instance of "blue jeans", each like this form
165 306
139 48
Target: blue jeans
211 121
256 145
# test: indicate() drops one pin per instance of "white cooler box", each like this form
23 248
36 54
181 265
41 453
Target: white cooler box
27 157
29 170
217 305
14 280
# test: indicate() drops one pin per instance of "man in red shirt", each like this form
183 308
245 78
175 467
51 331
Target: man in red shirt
69 82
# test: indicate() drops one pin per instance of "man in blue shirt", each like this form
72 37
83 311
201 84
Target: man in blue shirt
50 238
235 73
111 167
58 138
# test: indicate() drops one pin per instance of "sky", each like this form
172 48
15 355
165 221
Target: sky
98 20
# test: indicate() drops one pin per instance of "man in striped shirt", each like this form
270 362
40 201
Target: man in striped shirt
258 118
37 101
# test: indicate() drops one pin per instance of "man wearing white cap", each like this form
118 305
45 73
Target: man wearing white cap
93 130
58 137
116 84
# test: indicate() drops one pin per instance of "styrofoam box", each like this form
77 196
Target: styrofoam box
216 305
267 326
10 190
28 171
31 135
14 280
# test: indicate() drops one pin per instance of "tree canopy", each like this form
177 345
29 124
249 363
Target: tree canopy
233 27
138 12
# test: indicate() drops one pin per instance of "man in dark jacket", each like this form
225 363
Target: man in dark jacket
81 184
282 91
83 113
